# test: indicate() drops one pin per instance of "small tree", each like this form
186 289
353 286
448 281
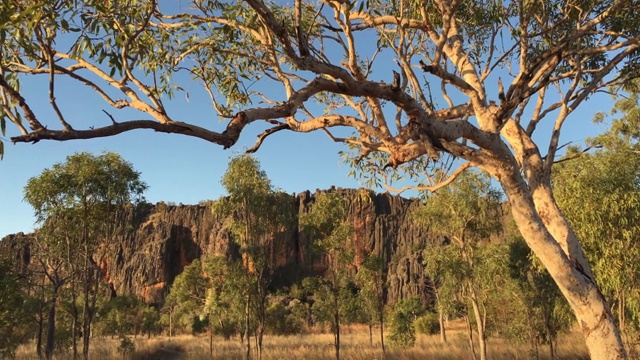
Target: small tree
326 224
370 278
446 272
77 204
224 298
540 311
401 322
260 216
188 296
466 212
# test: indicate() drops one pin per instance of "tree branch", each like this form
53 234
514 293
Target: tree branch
266 133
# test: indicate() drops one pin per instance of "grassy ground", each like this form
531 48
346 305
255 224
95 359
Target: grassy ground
355 346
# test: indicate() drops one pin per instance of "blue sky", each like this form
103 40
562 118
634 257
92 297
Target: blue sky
187 170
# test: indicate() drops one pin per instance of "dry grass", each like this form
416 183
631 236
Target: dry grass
355 346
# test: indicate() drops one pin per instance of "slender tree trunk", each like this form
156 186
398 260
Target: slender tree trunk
470 337
86 308
479 324
74 320
74 330
370 334
547 233
210 336
85 331
536 344
171 321
621 312
247 313
260 336
40 322
381 320
443 334
336 321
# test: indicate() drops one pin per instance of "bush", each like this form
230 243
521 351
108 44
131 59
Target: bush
403 332
126 346
428 324
199 326
283 321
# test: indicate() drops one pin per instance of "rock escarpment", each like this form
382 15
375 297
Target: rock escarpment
160 240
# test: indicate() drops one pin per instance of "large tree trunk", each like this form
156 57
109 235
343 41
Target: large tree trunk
336 337
247 314
549 236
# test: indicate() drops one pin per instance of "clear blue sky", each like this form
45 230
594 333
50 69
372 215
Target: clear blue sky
183 169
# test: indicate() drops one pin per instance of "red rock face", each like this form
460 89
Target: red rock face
159 241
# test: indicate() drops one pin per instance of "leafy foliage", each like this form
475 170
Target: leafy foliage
14 310
600 194
401 322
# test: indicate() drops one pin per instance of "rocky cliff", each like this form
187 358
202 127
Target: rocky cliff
160 240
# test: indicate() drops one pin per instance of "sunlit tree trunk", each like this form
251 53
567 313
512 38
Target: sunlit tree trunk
482 341
443 334
470 337
544 228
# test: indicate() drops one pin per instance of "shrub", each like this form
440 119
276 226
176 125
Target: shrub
405 312
126 346
428 324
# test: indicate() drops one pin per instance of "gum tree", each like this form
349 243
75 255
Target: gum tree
259 216
330 232
418 82
467 213
76 204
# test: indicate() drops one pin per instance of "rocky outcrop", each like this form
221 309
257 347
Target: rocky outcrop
160 240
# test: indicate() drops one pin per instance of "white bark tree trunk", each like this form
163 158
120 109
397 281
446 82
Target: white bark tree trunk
539 223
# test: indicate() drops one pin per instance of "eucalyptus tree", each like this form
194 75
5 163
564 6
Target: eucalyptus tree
370 279
206 290
467 212
77 203
443 79
600 193
260 216
188 292
224 297
446 271
327 225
